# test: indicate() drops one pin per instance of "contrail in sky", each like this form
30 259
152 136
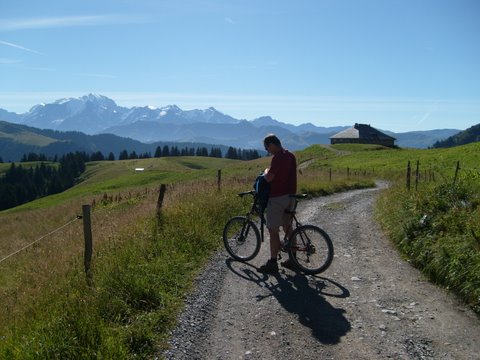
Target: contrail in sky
19 47
69 21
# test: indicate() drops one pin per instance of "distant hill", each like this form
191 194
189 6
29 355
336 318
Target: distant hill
421 139
10 116
468 136
17 140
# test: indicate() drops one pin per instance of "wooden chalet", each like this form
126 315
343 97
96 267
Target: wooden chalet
362 134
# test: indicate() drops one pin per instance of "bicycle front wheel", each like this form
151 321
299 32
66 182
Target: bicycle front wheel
241 238
311 249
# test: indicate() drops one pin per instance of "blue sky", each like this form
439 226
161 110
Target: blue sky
397 65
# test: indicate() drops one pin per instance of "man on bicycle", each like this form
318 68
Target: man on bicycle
282 176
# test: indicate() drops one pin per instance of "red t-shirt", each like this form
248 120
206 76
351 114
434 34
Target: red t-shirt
284 167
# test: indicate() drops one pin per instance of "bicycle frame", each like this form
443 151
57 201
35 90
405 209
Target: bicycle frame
255 211
308 246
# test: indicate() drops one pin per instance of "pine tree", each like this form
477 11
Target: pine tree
215 152
8 196
97 156
166 151
133 155
123 155
231 153
174 151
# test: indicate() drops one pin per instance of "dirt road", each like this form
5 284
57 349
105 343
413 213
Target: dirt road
370 304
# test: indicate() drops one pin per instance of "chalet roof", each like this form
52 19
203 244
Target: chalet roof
362 131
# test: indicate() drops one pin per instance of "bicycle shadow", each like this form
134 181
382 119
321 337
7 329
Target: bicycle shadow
305 297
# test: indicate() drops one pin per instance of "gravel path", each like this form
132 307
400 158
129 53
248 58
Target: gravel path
370 304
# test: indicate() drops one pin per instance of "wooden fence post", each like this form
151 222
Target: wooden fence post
161 195
456 172
409 174
87 234
417 175
219 179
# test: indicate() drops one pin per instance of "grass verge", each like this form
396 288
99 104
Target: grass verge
437 229
141 276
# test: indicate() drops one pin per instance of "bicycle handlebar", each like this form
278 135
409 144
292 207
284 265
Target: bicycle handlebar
242 194
252 192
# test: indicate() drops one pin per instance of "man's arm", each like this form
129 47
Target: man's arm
268 175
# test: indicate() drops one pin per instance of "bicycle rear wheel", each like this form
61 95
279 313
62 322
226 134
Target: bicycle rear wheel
311 249
241 238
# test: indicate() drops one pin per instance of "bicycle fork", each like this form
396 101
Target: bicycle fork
307 245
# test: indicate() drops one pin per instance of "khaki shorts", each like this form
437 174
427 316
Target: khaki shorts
276 207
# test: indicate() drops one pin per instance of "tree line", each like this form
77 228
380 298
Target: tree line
165 151
20 184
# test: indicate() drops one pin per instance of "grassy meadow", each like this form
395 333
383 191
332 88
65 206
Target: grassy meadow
143 266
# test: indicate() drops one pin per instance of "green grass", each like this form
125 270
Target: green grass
25 137
143 267
4 167
393 162
314 152
112 176
359 147
139 286
438 230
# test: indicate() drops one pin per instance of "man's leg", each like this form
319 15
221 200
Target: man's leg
271 266
275 211
288 228
274 242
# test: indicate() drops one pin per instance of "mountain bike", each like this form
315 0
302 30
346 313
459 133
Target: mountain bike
308 246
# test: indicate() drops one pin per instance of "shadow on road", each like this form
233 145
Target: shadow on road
304 296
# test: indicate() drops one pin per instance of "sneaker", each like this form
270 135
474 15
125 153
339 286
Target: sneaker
288 264
270 267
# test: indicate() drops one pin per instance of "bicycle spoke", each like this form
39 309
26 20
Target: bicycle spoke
311 249
241 238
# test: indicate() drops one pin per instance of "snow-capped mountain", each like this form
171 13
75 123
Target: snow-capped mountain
89 114
96 114
172 114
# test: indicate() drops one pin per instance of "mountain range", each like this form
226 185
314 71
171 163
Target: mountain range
96 114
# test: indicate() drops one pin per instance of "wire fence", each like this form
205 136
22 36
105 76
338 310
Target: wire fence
40 239
102 207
